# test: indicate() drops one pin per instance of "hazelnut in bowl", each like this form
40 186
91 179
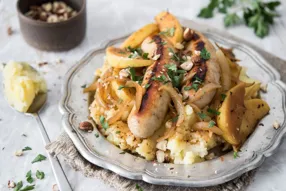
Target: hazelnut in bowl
52 25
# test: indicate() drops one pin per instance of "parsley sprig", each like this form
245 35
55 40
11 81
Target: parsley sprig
195 84
137 52
168 32
103 122
134 77
174 74
256 14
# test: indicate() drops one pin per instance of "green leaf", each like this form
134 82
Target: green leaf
272 5
83 86
145 56
211 123
26 149
168 32
223 96
138 188
171 66
29 187
40 175
175 119
96 135
161 78
262 28
121 87
118 132
207 12
213 111
132 74
202 115
19 185
205 54
39 158
29 177
103 123
235 154
147 86
231 19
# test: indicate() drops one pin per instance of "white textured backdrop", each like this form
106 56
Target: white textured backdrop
106 20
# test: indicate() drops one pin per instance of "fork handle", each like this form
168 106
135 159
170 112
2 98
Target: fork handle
61 179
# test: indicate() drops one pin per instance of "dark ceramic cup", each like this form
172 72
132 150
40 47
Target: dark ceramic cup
60 36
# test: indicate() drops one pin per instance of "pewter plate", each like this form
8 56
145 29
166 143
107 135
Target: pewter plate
262 143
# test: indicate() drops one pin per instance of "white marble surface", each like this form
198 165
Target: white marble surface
106 20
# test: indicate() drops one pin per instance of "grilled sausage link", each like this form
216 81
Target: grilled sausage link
207 71
154 104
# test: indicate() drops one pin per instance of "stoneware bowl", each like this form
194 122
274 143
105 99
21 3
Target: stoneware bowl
59 36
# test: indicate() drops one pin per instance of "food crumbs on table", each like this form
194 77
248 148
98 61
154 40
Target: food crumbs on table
39 158
276 125
11 184
9 31
19 153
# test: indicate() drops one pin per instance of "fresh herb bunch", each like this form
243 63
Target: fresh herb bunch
257 14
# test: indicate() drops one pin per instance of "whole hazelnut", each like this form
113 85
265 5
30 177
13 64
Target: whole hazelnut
188 34
86 126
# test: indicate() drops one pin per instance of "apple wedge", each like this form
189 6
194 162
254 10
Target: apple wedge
170 27
256 109
231 114
119 58
139 36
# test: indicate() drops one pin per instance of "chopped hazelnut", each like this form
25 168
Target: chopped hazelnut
52 19
47 7
19 153
162 145
11 184
156 57
160 155
276 125
263 87
188 65
188 34
9 31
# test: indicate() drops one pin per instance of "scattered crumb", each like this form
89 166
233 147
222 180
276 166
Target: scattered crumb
261 124
11 184
55 187
9 31
263 87
221 158
3 148
276 125
42 64
24 135
59 61
19 153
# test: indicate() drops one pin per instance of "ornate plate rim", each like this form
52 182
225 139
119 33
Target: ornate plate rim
77 139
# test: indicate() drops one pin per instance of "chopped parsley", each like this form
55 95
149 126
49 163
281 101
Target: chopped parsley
223 96
138 188
175 56
134 77
163 42
19 185
123 152
83 86
40 175
202 115
205 54
211 123
145 56
175 119
96 135
175 75
39 158
195 84
235 154
29 177
26 149
29 187
103 123
213 111
134 55
117 132
161 78
168 32
147 86
121 87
